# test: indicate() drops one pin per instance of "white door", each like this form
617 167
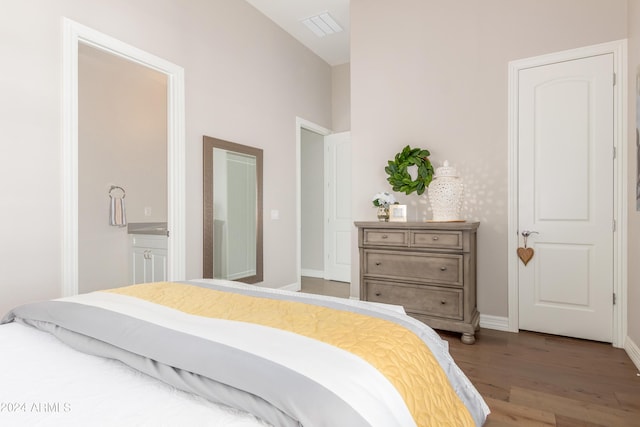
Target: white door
338 207
565 187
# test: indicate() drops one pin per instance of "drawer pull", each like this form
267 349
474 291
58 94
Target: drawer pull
378 263
378 294
443 268
435 238
384 236
443 302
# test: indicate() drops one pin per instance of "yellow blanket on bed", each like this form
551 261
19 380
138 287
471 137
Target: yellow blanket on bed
395 351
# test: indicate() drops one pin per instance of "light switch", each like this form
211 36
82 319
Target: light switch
147 211
275 214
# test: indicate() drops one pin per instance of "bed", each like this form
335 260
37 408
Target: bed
220 353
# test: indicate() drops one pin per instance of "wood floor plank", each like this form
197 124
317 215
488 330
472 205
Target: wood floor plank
562 421
550 380
507 413
580 410
492 390
629 401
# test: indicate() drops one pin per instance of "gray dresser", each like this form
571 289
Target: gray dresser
427 267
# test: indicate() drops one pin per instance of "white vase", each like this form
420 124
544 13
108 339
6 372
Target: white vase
445 194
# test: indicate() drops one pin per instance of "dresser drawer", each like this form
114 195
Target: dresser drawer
436 239
381 237
427 300
429 268
423 267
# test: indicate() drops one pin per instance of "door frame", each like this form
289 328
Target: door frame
74 34
313 127
619 50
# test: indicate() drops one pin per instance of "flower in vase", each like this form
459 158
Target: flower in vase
383 199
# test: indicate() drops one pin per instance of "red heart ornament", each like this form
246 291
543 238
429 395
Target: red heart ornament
525 254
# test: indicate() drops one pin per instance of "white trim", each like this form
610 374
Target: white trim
499 323
619 50
318 274
302 124
633 351
512 188
73 34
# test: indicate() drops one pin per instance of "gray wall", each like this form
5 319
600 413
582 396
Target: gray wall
244 78
341 97
433 74
312 209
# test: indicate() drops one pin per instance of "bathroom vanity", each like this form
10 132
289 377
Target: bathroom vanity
148 252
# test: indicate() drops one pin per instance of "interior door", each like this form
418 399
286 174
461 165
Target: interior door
565 187
338 207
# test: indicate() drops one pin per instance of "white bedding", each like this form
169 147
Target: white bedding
44 382
76 389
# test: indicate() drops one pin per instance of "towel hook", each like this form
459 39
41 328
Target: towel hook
116 187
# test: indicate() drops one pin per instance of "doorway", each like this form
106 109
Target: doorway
312 204
122 143
74 35
566 136
323 206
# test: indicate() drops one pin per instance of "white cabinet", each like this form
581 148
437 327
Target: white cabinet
148 258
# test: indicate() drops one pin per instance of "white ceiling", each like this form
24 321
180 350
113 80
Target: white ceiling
288 14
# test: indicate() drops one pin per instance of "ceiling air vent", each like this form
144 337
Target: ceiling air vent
322 24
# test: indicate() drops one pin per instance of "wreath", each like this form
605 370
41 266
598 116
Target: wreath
399 177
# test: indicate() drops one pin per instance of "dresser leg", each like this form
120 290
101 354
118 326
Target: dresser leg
468 338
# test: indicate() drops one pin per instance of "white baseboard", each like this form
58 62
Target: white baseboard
498 323
319 274
633 351
294 287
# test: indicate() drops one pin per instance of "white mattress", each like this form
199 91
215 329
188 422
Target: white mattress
43 382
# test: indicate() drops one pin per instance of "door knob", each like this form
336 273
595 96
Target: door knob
526 234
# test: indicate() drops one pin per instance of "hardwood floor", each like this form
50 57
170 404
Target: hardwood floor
545 380
531 379
313 285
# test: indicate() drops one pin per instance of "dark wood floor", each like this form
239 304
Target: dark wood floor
531 379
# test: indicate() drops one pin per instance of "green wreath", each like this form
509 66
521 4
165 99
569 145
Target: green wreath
399 177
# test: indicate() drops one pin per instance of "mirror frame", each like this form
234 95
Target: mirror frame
208 145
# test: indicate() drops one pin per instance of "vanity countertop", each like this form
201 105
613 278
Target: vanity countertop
153 228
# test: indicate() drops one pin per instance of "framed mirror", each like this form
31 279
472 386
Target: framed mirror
232 232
